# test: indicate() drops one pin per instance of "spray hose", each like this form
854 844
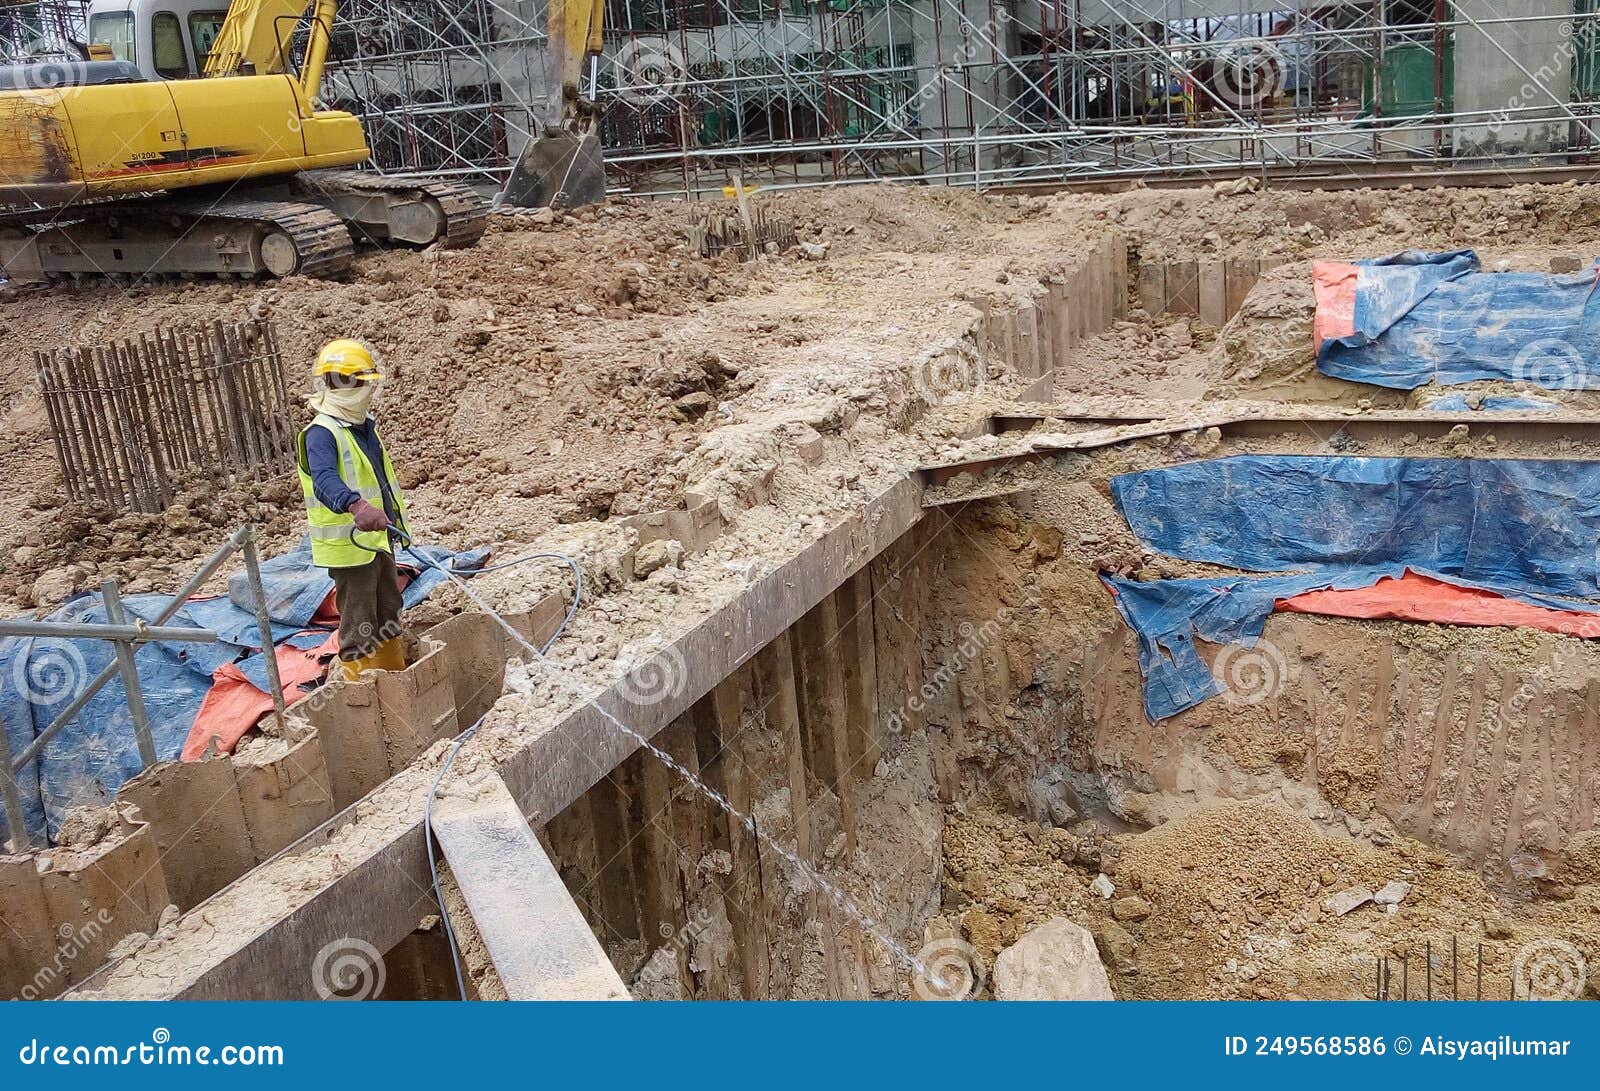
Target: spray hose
428 562
448 572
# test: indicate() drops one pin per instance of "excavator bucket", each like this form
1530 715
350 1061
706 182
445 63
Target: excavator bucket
558 169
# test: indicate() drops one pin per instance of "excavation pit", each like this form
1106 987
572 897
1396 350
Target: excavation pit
948 745
905 664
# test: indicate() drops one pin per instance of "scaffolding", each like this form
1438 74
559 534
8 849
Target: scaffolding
991 92
443 87
42 31
975 93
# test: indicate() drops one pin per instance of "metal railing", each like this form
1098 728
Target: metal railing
126 636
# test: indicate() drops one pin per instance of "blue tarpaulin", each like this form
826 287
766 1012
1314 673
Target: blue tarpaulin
1422 318
94 754
1493 403
1525 529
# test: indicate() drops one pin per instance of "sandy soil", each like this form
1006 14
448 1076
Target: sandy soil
564 372
554 373
1283 223
1234 891
1232 902
559 376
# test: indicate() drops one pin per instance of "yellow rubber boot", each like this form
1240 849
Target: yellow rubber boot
389 656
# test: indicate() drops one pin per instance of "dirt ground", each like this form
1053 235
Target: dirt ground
1349 223
1074 781
552 374
564 374
1456 759
1232 902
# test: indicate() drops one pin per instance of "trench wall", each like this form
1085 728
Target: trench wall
1483 742
1453 742
817 740
185 830
1213 290
63 910
1035 339
848 721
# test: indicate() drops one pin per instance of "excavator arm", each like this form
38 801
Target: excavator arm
253 35
561 166
576 37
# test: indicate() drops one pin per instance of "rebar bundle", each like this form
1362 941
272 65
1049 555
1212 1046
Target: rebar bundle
133 420
717 231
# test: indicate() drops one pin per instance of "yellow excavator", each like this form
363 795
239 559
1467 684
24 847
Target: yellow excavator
186 144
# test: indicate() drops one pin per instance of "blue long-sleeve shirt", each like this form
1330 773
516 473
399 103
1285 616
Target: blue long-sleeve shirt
322 460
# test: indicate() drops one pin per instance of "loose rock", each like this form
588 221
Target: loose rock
1057 960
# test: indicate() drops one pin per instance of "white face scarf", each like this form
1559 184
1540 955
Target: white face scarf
350 405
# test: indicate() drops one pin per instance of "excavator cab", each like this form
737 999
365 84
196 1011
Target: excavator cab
164 39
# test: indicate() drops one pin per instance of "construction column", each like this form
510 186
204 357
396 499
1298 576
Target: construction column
1517 74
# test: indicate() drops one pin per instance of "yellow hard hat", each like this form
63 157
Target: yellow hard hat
350 359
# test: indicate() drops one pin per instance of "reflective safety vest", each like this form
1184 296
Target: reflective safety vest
330 530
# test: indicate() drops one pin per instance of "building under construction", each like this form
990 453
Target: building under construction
966 92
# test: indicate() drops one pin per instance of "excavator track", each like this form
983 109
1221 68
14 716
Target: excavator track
237 235
322 244
307 227
388 210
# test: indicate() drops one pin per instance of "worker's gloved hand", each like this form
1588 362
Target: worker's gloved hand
368 517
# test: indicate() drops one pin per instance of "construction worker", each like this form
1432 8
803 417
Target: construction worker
352 502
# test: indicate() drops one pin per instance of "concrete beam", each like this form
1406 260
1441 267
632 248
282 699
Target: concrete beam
1303 178
364 874
541 946
1246 420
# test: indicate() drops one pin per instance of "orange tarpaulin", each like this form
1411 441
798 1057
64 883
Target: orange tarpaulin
1334 285
233 704
1414 597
